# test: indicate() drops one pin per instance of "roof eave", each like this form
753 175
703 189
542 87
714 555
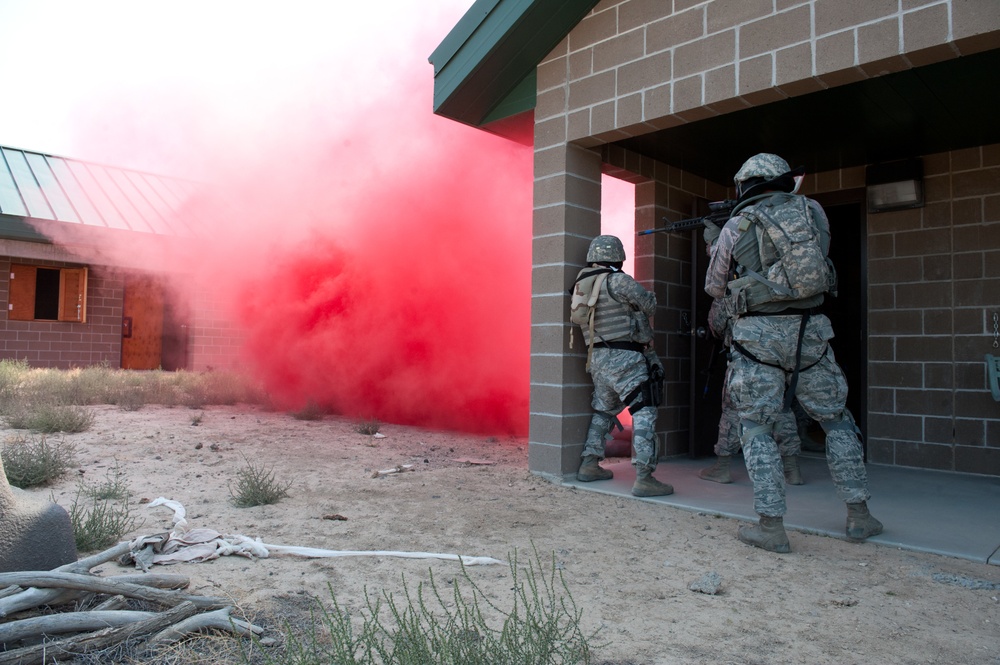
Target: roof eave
491 52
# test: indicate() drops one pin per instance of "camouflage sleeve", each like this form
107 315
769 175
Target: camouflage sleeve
717 275
822 223
626 290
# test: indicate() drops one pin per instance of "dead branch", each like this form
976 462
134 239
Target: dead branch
32 597
112 603
50 651
79 582
68 622
85 564
396 469
79 566
219 619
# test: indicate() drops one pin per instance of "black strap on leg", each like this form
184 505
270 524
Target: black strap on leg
649 392
794 381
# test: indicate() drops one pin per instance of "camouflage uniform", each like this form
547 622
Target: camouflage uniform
786 432
618 372
757 388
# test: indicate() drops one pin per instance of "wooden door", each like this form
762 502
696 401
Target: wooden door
142 323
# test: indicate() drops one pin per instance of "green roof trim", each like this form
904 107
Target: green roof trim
484 69
18 228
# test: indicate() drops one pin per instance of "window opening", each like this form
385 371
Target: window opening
47 294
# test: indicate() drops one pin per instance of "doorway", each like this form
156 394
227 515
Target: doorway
848 313
153 336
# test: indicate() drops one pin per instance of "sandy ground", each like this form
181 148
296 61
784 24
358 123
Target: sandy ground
628 564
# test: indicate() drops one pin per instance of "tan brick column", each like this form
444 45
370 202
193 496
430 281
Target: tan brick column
567 215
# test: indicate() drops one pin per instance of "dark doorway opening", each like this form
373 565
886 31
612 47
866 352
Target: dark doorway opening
847 312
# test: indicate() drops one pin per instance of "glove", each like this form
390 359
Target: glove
711 233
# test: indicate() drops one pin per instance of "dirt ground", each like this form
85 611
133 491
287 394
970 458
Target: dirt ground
629 564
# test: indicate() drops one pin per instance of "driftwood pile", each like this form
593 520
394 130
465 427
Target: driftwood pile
27 641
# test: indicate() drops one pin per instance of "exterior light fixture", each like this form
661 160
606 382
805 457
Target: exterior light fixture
895 185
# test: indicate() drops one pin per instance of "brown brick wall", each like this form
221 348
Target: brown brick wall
566 217
59 344
633 64
216 342
933 286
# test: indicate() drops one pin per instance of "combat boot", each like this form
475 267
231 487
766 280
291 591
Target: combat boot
792 474
591 470
768 535
647 485
718 472
860 523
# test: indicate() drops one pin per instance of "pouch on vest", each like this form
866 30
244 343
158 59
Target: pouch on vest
801 268
583 298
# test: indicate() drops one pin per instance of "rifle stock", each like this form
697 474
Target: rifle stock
721 211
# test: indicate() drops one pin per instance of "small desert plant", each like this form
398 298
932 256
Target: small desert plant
113 487
47 417
99 523
429 627
257 486
22 386
369 427
29 462
310 411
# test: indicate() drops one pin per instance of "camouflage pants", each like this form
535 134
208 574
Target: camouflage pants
786 430
616 373
757 392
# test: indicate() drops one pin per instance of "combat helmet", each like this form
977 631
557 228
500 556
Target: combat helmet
606 249
761 168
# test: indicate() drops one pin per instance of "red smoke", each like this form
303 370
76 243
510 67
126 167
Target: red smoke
410 300
378 257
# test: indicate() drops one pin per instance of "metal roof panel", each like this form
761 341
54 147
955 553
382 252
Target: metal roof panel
31 193
49 185
35 185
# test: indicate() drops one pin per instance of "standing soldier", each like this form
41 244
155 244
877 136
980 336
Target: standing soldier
777 242
621 361
786 433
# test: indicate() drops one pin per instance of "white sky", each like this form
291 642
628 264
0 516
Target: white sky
67 66
61 59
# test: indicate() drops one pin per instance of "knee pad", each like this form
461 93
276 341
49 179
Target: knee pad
604 422
750 429
845 421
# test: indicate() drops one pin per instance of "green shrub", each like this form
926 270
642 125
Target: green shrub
46 417
369 427
257 486
30 463
541 627
311 411
113 487
99 523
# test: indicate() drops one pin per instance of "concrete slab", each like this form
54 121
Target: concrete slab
928 511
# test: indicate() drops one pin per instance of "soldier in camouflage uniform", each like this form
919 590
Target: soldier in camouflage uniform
621 366
786 433
781 343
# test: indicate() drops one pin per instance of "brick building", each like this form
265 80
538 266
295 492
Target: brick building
889 104
85 270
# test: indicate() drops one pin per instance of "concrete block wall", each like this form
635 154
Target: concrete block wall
631 66
61 344
215 340
566 217
933 285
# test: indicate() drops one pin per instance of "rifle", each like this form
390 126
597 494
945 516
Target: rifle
721 211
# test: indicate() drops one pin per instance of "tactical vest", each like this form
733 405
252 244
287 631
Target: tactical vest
612 319
780 257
